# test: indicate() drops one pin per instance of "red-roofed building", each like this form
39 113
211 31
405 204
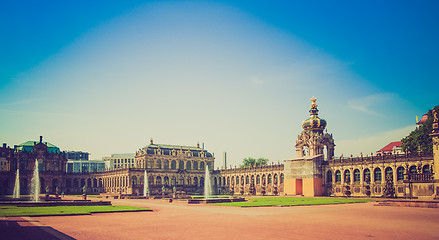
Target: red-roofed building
423 119
391 148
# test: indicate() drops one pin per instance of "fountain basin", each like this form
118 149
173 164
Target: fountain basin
214 200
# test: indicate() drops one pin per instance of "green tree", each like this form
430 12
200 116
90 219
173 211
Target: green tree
420 139
252 162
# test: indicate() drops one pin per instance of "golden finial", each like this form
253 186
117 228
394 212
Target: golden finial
313 102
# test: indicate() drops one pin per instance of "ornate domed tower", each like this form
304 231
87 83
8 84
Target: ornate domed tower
312 140
304 174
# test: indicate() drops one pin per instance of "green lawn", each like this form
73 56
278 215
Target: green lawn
9 211
291 201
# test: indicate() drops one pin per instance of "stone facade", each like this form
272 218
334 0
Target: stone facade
181 170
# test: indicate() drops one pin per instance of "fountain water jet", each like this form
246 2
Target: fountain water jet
145 185
35 185
17 185
207 184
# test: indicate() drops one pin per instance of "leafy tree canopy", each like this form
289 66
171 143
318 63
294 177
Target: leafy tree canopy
420 137
253 162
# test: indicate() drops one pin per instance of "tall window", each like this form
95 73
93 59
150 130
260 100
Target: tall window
188 165
366 176
173 164
201 165
347 176
377 175
195 165
166 164
389 171
400 173
338 176
329 177
357 175
181 165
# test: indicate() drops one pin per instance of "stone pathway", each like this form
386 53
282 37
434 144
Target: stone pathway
182 221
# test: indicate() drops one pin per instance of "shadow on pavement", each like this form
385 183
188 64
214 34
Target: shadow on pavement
18 228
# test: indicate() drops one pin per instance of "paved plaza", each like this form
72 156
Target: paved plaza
182 221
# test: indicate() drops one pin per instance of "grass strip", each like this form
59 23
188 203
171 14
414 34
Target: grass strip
291 201
14 211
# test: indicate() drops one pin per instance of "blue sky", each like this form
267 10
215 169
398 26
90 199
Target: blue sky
105 77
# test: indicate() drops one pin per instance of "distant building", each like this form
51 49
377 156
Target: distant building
119 160
77 155
423 119
85 166
391 148
5 153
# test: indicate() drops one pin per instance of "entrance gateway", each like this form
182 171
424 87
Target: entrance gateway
304 174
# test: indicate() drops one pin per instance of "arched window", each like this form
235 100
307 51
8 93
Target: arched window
158 181
281 178
347 176
357 175
166 179
276 180
258 179
166 164
413 169
400 173
151 180
159 164
181 165
329 177
201 181
337 176
426 169
134 181
189 181
269 179
242 180
188 165
201 165
173 164
366 175
389 172
264 180
377 175
195 181
195 165
88 182
247 180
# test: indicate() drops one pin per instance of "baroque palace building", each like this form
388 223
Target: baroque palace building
168 168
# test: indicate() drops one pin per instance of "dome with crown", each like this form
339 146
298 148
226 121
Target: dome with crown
314 123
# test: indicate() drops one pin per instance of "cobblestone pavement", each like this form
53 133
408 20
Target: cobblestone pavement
182 221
